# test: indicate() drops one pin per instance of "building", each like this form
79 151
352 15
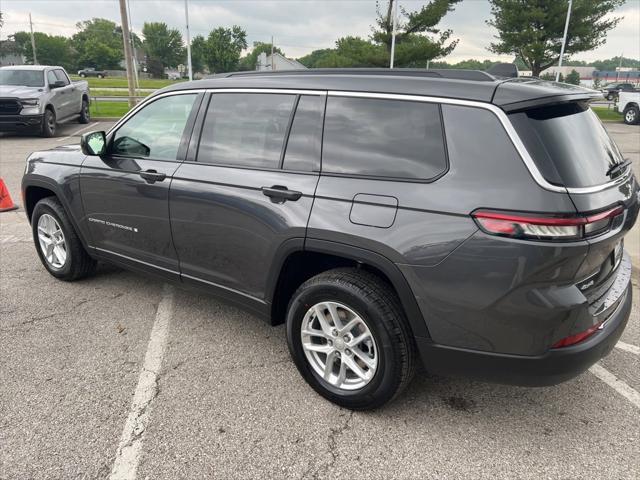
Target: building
277 62
9 54
623 75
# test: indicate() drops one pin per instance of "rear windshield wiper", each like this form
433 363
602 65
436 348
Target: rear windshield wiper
618 167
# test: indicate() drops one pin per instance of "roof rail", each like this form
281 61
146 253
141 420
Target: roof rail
456 74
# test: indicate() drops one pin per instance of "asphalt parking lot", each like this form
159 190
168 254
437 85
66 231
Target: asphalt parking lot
221 398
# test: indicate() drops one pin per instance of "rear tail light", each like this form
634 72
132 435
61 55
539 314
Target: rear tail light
545 227
578 337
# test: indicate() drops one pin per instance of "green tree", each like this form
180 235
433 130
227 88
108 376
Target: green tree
163 47
98 44
533 29
615 62
249 61
224 46
198 53
417 37
50 49
573 78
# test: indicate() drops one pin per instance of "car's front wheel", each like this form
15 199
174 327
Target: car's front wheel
84 112
610 96
49 124
58 245
349 338
631 115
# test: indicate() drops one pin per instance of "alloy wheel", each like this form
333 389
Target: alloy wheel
339 345
52 241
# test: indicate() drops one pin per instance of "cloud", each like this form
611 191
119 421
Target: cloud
298 26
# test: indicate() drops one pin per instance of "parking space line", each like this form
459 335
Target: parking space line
130 447
77 132
618 385
627 347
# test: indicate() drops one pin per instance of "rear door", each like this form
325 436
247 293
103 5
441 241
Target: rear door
126 191
244 195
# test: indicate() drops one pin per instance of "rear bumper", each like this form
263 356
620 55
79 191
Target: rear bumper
555 366
16 123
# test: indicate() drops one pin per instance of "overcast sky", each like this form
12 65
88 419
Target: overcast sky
299 26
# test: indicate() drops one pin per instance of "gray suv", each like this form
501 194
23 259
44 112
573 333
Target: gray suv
464 221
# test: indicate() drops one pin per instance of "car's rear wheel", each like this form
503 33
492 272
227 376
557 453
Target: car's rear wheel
610 96
100 75
349 338
631 115
85 116
49 123
58 245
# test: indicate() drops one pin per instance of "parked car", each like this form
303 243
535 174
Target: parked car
469 222
37 98
628 104
92 72
612 90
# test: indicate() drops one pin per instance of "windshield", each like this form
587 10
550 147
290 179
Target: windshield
569 144
24 78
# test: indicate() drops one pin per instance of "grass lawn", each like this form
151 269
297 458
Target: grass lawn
607 114
121 82
108 109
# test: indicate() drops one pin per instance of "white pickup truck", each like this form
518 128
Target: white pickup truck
39 97
629 105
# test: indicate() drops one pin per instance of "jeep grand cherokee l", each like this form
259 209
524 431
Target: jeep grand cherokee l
470 222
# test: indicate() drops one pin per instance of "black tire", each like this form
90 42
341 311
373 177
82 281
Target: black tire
49 123
610 96
83 75
85 116
78 263
631 115
100 75
376 303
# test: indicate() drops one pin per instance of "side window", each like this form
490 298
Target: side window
385 138
305 138
156 130
51 77
60 76
245 129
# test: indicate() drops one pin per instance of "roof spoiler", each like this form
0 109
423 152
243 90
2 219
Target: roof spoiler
508 70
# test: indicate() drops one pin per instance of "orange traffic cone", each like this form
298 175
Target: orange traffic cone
6 203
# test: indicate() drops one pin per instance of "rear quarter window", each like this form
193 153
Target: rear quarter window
568 143
383 138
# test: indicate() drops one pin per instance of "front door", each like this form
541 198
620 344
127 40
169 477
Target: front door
248 192
126 192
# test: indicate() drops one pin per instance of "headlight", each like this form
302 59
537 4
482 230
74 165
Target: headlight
30 102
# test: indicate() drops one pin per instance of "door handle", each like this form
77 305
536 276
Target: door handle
280 193
152 176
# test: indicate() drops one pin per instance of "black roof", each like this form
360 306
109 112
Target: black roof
472 85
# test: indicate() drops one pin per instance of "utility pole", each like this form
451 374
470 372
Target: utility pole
393 31
127 51
186 18
273 64
33 42
564 40
133 48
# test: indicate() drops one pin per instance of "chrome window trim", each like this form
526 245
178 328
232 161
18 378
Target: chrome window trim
497 111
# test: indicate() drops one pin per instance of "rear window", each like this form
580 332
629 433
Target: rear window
568 143
383 138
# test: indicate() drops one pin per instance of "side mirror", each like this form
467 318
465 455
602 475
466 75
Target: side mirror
57 84
93 143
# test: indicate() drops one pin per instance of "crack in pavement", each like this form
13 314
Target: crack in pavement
332 444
